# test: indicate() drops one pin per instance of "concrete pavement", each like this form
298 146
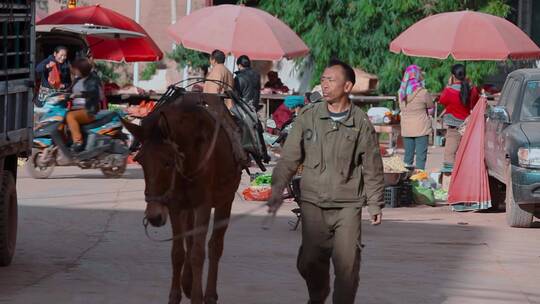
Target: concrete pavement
81 241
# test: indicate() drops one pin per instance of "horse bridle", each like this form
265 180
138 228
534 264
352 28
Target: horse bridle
179 158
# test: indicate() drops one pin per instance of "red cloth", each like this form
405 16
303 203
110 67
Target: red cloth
55 80
451 100
281 115
142 109
469 183
110 87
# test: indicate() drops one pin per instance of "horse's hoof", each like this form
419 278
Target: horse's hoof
186 287
210 301
175 297
187 293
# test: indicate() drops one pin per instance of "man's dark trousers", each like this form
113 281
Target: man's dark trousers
334 234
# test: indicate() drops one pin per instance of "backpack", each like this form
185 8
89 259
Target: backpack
251 130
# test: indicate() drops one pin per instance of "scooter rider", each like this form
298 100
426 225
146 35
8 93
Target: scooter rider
86 98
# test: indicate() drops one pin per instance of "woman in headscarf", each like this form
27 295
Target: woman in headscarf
458 99
414 100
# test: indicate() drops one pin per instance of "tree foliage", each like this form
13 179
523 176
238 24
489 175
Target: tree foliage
185 57
149 71
107 71
360 32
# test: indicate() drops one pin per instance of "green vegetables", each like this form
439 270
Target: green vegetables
440 194
262 180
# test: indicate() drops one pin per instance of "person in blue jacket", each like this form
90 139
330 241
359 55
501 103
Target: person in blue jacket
58 58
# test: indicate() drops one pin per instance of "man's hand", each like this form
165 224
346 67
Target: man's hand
274 203
50 65
376 219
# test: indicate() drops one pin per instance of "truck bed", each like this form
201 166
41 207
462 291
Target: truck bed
17 50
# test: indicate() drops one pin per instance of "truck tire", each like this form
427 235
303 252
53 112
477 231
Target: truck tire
515 215
8 217
34 169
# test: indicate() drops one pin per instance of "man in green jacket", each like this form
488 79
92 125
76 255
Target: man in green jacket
343 171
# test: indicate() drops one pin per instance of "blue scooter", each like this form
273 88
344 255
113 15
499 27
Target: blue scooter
105 147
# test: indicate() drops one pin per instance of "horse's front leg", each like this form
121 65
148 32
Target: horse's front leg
198 252
215 251
187 274
177 256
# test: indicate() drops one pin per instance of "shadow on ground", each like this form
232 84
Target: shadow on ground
131 173
102 256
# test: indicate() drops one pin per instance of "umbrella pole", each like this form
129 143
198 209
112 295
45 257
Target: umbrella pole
185 74
136 65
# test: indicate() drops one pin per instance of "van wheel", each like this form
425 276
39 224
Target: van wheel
8 217
515 215
37 170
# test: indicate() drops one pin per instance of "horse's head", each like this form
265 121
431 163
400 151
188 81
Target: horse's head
156 157
172 140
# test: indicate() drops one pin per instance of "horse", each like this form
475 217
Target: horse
189 169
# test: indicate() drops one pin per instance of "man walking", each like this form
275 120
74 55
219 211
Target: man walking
247 82
220 73
343 171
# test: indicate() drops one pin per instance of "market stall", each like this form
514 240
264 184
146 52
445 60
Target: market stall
494 39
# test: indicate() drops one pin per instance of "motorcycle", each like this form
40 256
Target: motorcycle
285 129
105 144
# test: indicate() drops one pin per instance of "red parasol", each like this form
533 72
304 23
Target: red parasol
469 184
238 30
129 50
466 35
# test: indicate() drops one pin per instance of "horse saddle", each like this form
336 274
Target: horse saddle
216 108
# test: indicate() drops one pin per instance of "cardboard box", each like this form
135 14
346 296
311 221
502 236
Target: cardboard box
365 82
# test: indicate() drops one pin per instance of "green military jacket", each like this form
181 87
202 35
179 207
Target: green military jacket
342 160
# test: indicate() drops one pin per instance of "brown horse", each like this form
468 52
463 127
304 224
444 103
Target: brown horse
189 168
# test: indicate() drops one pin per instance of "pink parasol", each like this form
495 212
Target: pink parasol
469 184
465 35
238 30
